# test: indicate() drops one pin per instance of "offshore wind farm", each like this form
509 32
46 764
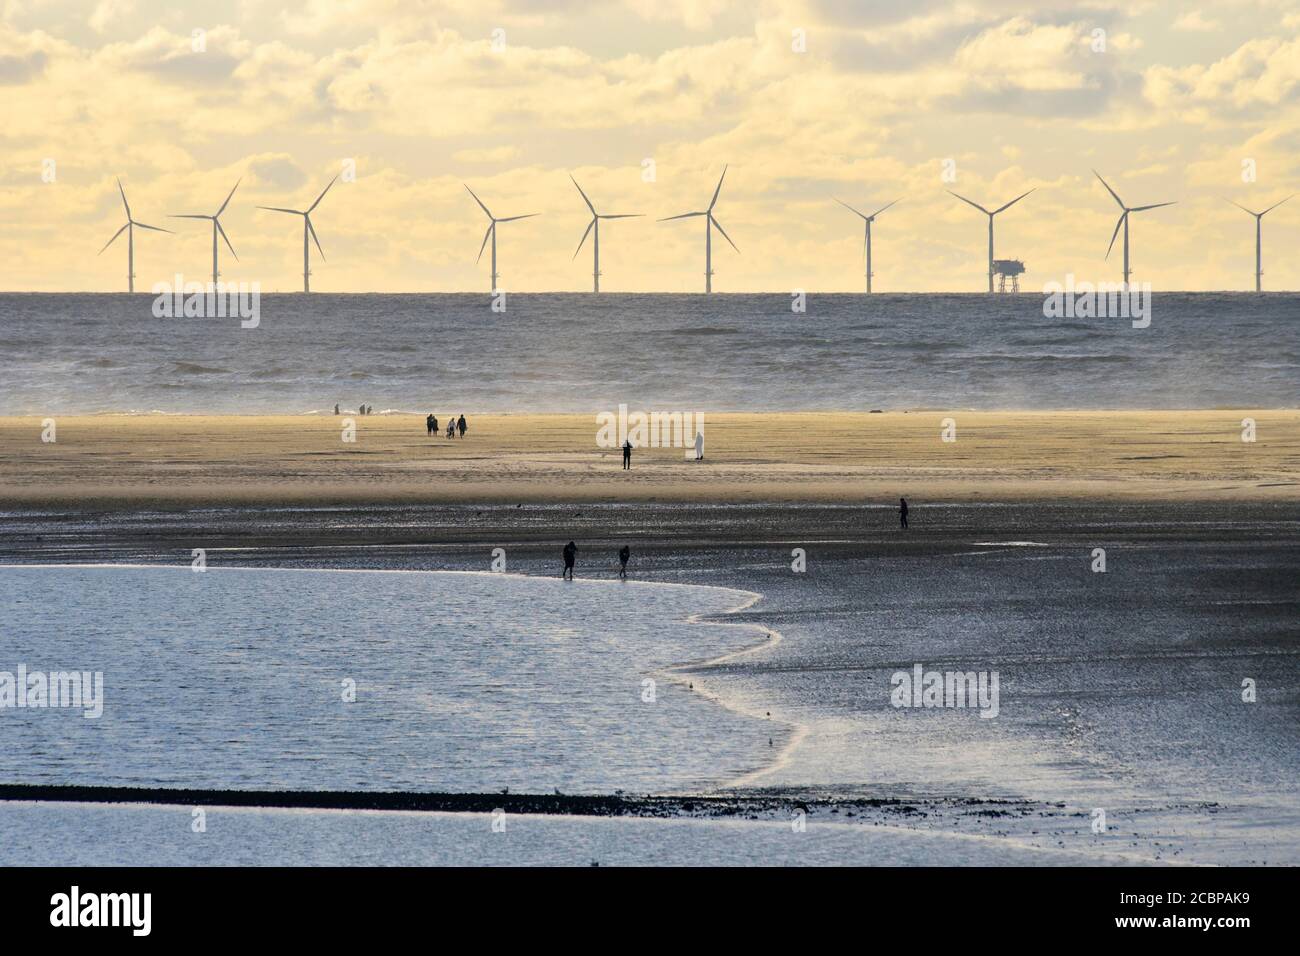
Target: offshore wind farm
710 224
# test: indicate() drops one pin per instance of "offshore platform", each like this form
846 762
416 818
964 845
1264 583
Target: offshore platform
1008 269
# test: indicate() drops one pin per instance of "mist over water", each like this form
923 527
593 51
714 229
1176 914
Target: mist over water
581 353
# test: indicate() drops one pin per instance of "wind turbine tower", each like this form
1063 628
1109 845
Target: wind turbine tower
595 225
1123 221
492 234
216 228
129 229
867 221
986 212
1259 269
307 230
709 223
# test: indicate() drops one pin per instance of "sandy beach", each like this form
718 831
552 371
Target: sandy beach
108 462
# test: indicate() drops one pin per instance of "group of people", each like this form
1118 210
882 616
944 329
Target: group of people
571 557
453 425
361 409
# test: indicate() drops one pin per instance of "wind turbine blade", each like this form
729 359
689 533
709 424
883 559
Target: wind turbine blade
714 201
882 209
639 215
189 216
584 237
1276 204
322 196
114 239
685 215
1118 223
969 203
514 218
848 207
583 195
1251 211
723 231
154 228
479 201
1112 192
1013 202
312 230
227 202
124 202
1153 206
224 236
295 212
491 226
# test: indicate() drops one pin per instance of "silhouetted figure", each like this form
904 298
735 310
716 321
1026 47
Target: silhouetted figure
336 408
431 423
462 426
902 513
451 428
627 454
623 555
570 555
699 446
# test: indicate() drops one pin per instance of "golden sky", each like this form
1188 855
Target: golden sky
512 97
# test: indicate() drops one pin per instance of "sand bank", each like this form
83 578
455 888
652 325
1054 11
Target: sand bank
123 461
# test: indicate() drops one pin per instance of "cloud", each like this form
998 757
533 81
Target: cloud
108 12
1195 22
486 155
20 68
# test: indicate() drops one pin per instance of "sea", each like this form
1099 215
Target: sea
83 353
288 679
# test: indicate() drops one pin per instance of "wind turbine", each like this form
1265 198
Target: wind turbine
1001 208
216 228
709 223
129 229
307 229
492 232
868 220
1123 221
1258 216
595 224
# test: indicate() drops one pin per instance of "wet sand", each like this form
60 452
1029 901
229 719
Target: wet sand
121 462
1121 690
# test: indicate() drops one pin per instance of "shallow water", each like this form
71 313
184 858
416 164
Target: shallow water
134 835
464 682
583 353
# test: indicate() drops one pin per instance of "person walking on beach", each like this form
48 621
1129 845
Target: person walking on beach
570 555
699 446
627 454
336 408
431 423
451 428
462 426
902 513
623 555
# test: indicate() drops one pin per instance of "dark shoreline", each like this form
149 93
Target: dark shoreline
602 805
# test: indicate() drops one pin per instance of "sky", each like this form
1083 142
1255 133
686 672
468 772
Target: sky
645 102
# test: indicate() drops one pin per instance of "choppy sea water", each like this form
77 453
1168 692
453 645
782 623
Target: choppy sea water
579 352
469 682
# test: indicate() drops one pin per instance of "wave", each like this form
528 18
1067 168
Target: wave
193 368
